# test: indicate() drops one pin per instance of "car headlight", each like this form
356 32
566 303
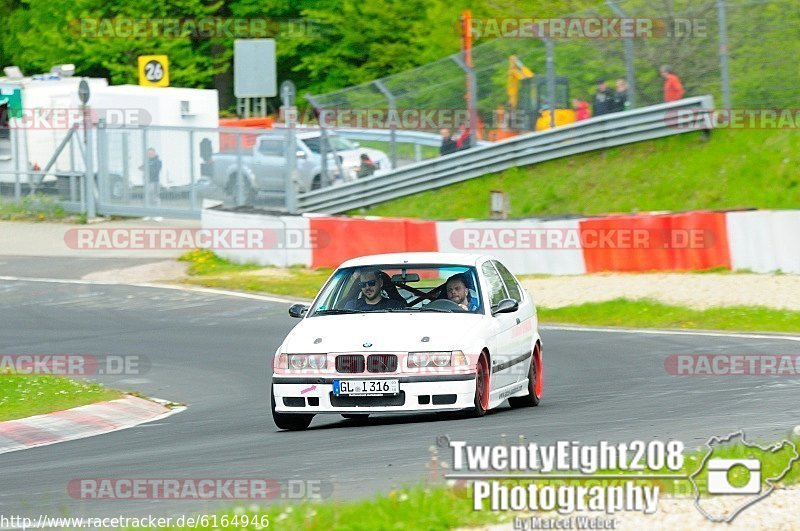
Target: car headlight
455 358
302 361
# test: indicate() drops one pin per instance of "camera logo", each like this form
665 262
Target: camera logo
722 475
735 474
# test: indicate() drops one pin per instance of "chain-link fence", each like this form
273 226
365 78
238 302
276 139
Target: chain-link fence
173 171
742 52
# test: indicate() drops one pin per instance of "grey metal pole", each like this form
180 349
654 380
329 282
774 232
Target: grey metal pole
290 196
722 21
192 179
102 160
473 97
126 174
324 176
239 198
630 72
91 209
145 169
291 169
393 128
15 150
551 80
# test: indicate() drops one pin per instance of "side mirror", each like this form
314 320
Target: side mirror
298 310
301 154
505 306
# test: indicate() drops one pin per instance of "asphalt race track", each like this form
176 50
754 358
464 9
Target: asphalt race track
213 352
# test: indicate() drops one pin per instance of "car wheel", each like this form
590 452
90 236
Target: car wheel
232 189
535 384
290 421
116 189
355 416
316 182
481 403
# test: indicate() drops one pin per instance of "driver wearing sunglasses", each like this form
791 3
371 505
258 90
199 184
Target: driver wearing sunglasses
371 284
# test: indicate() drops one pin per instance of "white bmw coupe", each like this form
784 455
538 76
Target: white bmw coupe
409 332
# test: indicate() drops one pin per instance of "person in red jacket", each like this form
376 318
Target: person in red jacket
463 140
673 89
581 109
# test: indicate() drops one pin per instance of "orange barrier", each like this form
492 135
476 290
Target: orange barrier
227 141
350 238
673 242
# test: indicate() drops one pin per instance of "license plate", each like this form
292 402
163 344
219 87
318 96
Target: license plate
366 387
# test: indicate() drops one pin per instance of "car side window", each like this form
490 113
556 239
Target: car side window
496 290
272 148
514 290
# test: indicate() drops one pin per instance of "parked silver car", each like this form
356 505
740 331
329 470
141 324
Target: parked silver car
264 165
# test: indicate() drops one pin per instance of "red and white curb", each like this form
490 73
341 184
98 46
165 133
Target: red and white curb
80 422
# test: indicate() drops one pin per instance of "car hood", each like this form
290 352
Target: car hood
387 332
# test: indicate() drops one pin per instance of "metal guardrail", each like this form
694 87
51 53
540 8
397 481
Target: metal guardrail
601 132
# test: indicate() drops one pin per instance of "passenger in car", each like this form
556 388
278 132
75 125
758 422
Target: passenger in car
371 284
458 292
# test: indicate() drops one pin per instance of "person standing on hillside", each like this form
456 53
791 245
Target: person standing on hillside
448 144
673 88
620 102
603 99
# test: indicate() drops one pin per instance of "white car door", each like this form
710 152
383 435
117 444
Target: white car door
522 332
503 324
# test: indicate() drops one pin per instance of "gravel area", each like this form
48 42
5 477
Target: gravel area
164 270
694 290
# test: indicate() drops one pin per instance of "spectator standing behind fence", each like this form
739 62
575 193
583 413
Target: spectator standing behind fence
673 88
367 167
581 109
603 99
620 102
448 144
153 176
463 140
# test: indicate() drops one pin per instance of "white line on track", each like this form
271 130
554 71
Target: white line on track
640 331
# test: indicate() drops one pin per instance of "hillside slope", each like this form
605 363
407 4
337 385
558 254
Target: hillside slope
734 169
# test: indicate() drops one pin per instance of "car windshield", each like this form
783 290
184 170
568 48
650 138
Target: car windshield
400 288
339 143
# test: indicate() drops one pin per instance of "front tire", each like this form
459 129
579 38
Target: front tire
534 395
481 402
289 421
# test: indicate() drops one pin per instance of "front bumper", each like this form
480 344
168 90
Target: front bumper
314 395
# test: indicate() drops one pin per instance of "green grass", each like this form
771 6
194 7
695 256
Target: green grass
36 208
431 509
205 262
440 508
404 151
736 168
652 314
22 395
209 270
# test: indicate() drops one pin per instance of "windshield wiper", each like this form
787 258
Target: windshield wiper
335 311
426 309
